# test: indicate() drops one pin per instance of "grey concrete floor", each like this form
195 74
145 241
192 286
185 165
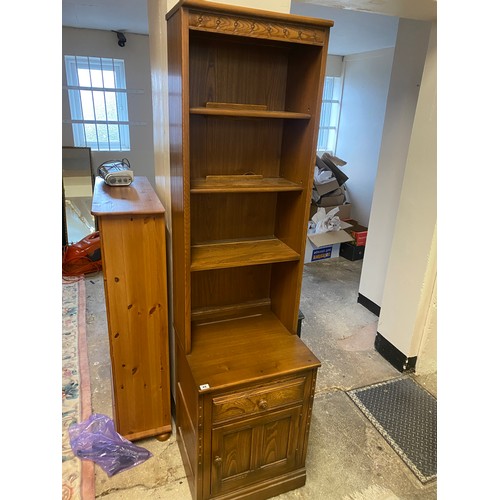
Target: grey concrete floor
347 458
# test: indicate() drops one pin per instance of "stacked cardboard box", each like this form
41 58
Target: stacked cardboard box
329 186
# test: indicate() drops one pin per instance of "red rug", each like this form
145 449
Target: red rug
77 475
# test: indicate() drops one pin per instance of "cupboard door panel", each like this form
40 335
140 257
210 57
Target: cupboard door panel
254 450
278 439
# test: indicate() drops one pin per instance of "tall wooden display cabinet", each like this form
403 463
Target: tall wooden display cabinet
244 101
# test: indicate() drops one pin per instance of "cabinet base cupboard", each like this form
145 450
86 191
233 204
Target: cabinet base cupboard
245 92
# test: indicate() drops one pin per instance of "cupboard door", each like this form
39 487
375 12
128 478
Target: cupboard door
254 449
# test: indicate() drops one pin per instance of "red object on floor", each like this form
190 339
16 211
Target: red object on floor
83 257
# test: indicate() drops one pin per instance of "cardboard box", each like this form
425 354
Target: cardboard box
328 158
328 161
350 251
321 253
326 187
358 232
344 212
333 199
326 245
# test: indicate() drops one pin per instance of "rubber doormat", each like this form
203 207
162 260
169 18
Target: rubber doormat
406 415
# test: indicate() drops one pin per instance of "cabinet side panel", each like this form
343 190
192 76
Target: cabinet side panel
187 419
306 73
284 298
179 174
134 250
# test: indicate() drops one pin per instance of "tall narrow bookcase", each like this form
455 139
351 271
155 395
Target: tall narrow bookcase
244 101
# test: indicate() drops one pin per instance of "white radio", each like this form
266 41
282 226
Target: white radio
116 172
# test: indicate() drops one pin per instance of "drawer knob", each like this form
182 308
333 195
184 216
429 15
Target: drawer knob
218 461
262 404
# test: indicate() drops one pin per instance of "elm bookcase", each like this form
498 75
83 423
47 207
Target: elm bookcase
245 92
132 232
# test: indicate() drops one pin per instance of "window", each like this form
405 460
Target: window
330 106
97 95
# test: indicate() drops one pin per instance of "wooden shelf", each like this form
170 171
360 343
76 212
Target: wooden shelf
249 113
251 308
222 255
255 348
242 185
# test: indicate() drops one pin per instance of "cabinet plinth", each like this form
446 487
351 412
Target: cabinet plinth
132 231
244 102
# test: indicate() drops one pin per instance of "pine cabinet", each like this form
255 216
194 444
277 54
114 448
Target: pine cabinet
244 101
132 232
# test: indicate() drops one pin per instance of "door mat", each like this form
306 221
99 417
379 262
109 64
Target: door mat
406 416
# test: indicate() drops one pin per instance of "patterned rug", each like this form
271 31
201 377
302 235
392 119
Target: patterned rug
77 475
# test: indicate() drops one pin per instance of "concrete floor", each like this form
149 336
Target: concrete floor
347 458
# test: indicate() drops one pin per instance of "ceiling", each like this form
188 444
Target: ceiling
360 25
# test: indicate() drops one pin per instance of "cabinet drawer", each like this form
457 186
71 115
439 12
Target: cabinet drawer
257 400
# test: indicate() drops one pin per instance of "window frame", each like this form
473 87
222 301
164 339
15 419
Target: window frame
337 89
119 91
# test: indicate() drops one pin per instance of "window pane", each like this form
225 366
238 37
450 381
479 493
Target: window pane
96 72
79 135
337 87
109 79
112 112
119 70
124 138
102 137
326 113
90 133
99 106
87 105
82 63
332 136
121 102
328 88
114 134
324 139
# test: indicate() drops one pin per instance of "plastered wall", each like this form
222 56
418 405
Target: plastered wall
366 85
404 88
402 317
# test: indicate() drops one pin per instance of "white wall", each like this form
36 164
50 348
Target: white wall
409 58
366 85
138 75
426 325
407 291
282 6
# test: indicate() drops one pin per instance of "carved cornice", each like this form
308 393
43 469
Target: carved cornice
254 27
